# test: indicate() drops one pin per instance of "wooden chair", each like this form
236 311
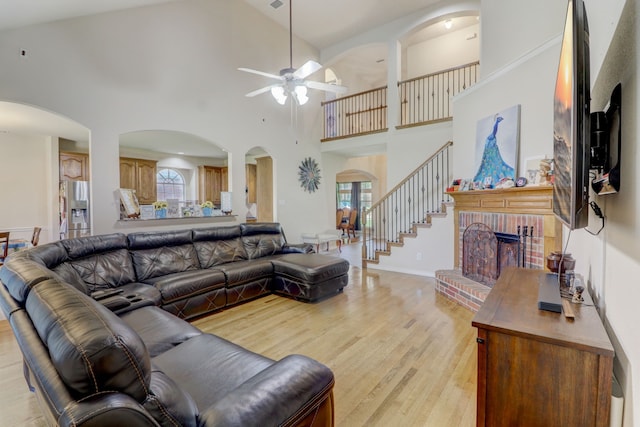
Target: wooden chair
35 237
339 216
4 240
350 225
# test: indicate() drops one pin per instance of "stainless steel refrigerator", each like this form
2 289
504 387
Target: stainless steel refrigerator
74 209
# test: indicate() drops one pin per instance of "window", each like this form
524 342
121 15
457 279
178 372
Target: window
344 193
170 184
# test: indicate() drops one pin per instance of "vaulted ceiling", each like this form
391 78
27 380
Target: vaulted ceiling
320 23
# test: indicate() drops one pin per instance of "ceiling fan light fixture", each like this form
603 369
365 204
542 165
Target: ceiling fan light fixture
278 94
301 94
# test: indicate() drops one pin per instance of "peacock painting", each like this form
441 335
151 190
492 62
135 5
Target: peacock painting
497 145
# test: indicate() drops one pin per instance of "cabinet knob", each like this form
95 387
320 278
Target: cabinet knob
479 340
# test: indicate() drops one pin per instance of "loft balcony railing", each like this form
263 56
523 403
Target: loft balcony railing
358 114
407 205
423 100
427 99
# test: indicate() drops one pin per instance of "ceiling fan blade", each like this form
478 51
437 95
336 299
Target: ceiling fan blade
326 87
307 69
260 73
260 91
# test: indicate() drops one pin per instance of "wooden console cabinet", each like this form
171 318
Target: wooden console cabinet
539 368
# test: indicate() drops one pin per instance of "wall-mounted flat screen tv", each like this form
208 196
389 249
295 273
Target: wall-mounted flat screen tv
571 125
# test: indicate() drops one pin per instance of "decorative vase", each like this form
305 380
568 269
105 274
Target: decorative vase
161 213
553 262
207 211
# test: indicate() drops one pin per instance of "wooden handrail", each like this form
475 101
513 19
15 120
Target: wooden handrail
323 103
439 72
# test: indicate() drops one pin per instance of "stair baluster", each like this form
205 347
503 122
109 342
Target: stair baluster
420 194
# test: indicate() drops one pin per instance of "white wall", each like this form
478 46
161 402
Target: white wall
528 82
520 58
511 28
448 51
425 254
611 260
25 192
173 67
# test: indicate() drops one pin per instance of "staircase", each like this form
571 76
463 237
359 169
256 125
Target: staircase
409 206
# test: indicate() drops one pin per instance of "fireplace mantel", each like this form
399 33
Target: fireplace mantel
518 201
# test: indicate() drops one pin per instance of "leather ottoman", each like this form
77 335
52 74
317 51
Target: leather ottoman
309 277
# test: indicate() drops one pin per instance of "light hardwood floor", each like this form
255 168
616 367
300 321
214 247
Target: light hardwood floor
402 355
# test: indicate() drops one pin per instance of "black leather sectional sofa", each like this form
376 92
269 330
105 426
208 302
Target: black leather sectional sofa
100 323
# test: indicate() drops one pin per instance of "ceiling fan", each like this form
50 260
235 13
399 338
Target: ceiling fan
292 81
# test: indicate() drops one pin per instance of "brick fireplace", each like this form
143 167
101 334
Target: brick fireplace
503 211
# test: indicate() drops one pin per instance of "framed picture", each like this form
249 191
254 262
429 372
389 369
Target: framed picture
129 202
497 140
147 212
173 208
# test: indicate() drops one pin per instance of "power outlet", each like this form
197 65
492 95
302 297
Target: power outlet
418 256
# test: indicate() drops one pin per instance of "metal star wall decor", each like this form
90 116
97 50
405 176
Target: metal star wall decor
309 175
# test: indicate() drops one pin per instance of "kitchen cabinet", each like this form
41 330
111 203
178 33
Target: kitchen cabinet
212 180
536 367
139 175
74 166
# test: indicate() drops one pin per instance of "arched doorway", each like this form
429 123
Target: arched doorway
355 191
259 189
30 140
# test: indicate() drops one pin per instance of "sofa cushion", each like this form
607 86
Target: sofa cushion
169 404
156 239
164 260
49 255
94 245
310 268
109 269
91 348
218 245
286 394
71 276
208 379
188 283
262 239
159 330
240 272
21 274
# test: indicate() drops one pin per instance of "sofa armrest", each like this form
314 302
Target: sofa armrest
283 394
106 409
299 248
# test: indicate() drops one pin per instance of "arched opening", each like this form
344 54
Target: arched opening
30 141
260 186
355 191
173 166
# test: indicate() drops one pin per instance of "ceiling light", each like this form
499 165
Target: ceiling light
301 94
278 94
448 23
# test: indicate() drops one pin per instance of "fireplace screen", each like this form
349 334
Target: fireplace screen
485 253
